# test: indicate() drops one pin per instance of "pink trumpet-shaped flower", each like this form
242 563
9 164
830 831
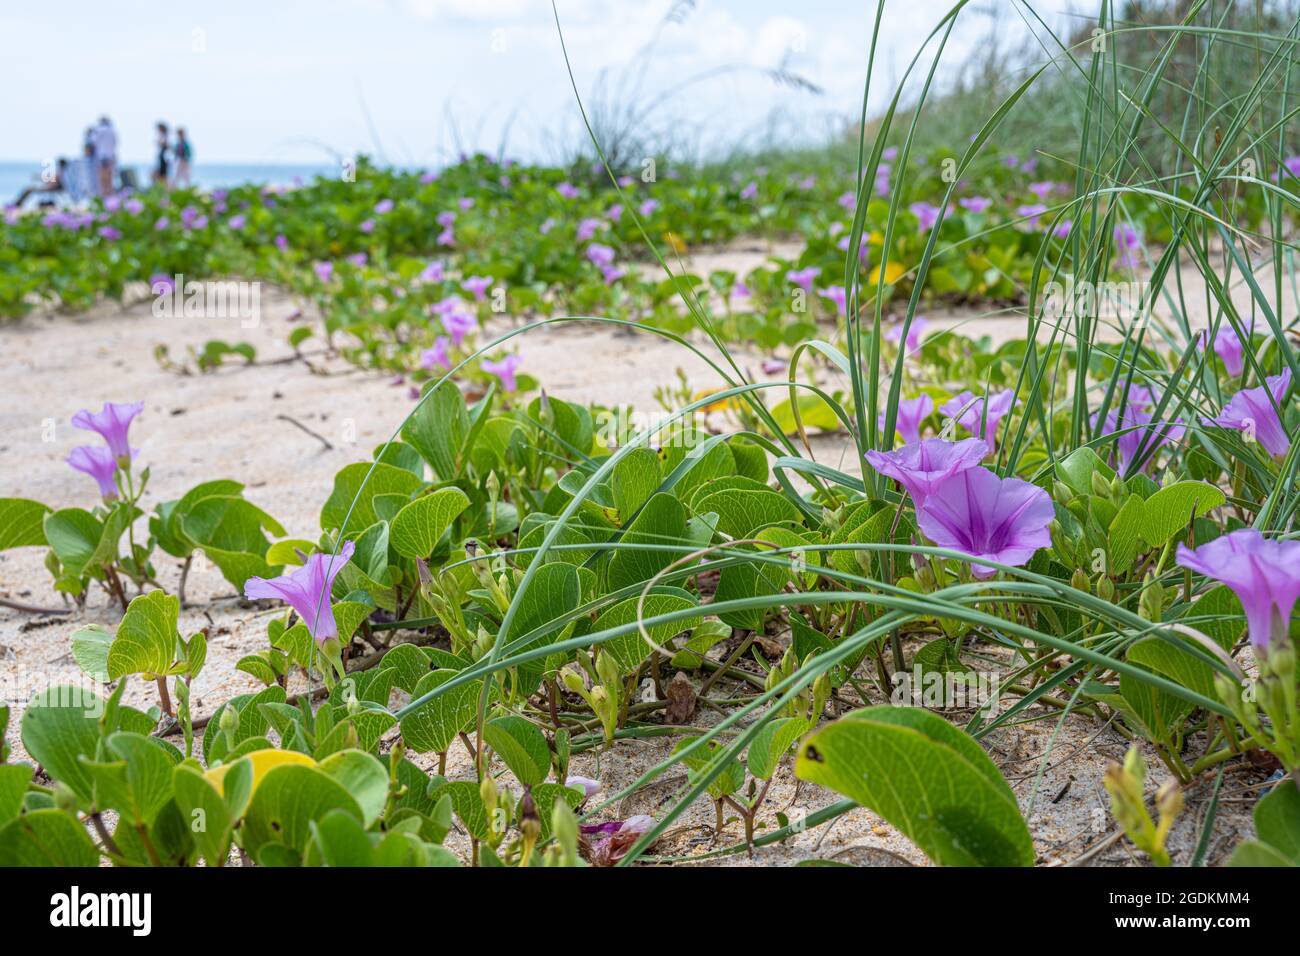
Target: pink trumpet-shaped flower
437 355
505 370
1228 346
968 409
924 466
1252 411
307 590
111 423
914 332
911 412
803 278
999 519
98 462
1264 574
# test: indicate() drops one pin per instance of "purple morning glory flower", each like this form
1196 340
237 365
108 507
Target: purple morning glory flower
438 355
587 228
803 278
237 222
600 255
614 213
1062 230
1127 238
976 512
848 200
889 153
968 409
307 590
1032 213
926 213
921 468
504 370
750 191
98 462
367 226
110 233
648 207
1264 574
895 332
435 271
446 219
612 274
1138 428
162 223
281 242
111 423
477 286
1251 411
1228 346
911 412
358 259
465 202
160 283
1042 190
324 270
567 190
975 204
133 206
427 178
458 325
773 366
447 237
837 295
383 207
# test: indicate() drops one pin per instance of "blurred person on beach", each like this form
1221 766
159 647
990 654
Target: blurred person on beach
49 185
162 168
183 153
104 139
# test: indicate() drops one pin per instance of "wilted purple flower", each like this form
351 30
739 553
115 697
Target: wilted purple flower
612 840
750 191
458 325
111 423
587 228
504 370
648 207
922 467
773 366
926 213
968 410
600 255
477 286
1252 411
588 786
438 355
447 237
911 412
975 204
435 271
1228 346
383 207
919 324
567 190
803 278
98 462
1264 574
367 226
324 270
237 222
836 294
307 590
110 233
976 512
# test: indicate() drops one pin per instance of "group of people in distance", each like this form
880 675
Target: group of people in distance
97 173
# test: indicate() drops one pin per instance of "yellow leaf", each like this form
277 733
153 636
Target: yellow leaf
264 761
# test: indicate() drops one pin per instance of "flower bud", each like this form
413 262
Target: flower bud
1079 580
1106 590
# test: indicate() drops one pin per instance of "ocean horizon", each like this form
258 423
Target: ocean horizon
16 176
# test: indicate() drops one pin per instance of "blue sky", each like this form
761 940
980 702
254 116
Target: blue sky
285 80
